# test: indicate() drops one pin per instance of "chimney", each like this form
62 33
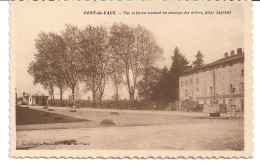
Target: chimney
226 55
232 52
239 51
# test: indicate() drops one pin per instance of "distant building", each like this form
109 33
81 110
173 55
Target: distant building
220 82
19 101
36 99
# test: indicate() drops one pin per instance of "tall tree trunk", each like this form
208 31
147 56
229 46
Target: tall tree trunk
130 90
117 104
133 101
94 98
132 98
73 93
101 92
100 99
146 85
61 96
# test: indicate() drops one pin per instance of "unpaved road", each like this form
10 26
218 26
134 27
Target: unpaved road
143 130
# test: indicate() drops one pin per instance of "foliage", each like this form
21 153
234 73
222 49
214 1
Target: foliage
94 46
179 64
72 59
47 69
199 60
146 86
125 54
166 89
135 50
161 90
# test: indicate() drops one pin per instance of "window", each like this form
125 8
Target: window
216 101
190 81
241 87
181 83
186 82
210 90
186 93
197 91
242 72
231 89
197 81
224 101
211 101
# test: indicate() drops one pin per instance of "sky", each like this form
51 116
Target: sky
213 34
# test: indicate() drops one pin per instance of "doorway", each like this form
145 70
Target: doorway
37 101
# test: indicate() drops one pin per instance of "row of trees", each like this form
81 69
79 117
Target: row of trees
92 56
125 55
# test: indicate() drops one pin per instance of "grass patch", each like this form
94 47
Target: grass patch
114 113
107 122
58 118
51 110
28 116
72 111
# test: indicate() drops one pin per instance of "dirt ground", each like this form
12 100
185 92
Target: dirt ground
143 130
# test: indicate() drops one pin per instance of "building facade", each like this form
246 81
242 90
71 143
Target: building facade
220 82
35 100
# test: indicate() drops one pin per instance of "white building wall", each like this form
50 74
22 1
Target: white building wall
202 87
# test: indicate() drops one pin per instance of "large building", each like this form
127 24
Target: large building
220 82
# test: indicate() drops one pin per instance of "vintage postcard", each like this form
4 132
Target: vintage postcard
139 79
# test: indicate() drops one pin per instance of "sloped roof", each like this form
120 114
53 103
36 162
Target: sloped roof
215 63
35 95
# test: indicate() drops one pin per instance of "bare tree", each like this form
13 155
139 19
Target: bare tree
102 85
117 77
92 56
94 45
148 52
136 51
51 91
122 42
72 61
